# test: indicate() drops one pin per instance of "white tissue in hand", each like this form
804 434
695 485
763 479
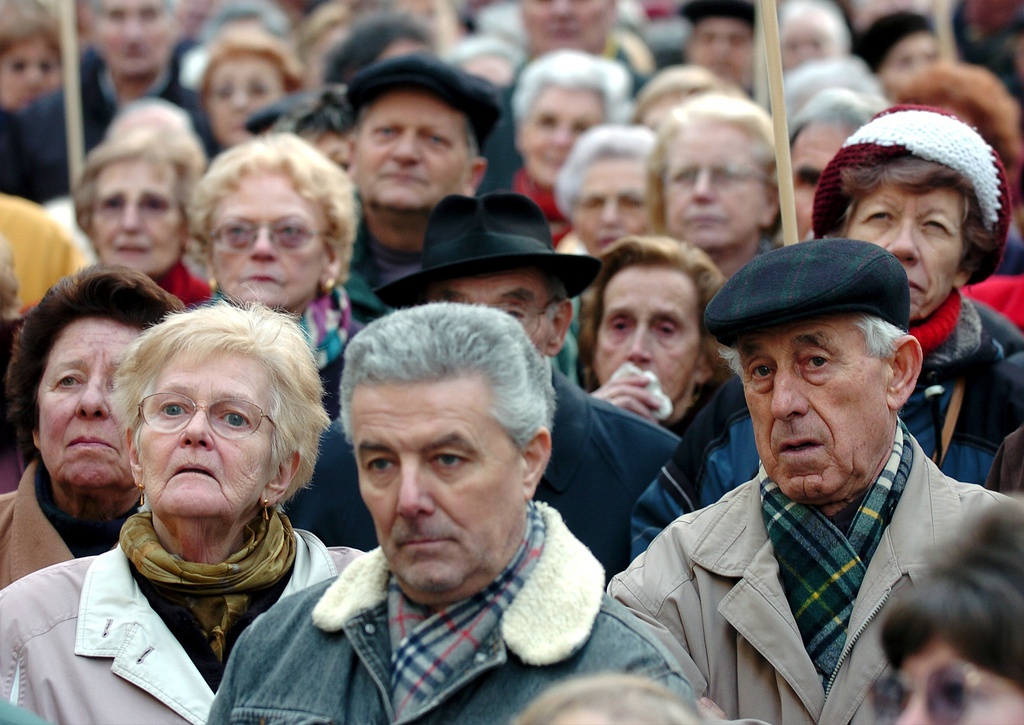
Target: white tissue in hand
653 387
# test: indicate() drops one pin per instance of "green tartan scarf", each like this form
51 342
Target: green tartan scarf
821 569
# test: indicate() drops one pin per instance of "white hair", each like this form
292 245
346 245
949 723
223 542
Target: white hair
880 339
575 70
608 141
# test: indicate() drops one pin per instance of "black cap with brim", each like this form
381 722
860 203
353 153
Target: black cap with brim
471 236
810 279
475 97
697 10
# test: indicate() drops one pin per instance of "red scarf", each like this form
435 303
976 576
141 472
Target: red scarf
545 199
184 285
938 326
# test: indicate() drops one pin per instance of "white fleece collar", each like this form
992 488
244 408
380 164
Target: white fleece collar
549 620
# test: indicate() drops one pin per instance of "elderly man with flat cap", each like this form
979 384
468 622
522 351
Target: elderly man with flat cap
420 124
496 250
722 38
772 597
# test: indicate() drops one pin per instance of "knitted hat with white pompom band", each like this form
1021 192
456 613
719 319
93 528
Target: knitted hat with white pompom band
930 134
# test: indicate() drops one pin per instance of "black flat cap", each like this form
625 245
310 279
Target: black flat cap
810 279
468 236
475 97
697 10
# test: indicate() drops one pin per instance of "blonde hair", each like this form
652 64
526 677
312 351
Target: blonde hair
179 152
315 178
256 43
740 113
252 332
682 82
621 698
9 302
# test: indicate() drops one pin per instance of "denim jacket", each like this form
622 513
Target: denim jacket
324 656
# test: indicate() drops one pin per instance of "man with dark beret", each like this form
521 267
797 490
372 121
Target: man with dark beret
772 597
420 124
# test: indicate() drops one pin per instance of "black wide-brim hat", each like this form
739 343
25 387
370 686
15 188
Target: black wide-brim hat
469 236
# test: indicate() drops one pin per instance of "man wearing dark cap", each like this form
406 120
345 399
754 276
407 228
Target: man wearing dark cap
722 38
420 124
496 250
772 598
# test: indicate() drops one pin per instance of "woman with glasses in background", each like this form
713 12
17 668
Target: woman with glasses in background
711 179
130 201
956 639
220 411
274 220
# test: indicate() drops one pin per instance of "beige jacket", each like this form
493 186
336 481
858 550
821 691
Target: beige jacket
28 541
79 642
709 587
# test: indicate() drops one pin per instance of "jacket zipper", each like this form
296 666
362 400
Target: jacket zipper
851 640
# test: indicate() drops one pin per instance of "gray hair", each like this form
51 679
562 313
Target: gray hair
444 341
476 46
839 107
608 141
270 17
880 339
575 70
271 339
808 79
835 23
97 6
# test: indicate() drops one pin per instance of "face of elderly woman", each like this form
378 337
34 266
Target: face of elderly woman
612 203
937 686
268 270
137 220
925 232
28 70
198 474
717 195
77 437
238 87
652 319
547 133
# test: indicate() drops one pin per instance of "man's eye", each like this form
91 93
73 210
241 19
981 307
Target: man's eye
761 371
378 464
818 361
448 459
113 203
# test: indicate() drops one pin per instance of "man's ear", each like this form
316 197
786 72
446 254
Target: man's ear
560 321
477 169
906 366
536 455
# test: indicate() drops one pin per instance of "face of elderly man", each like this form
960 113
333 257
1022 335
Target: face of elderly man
567 24
446 485
135 38
824 411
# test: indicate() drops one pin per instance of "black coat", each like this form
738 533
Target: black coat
35 149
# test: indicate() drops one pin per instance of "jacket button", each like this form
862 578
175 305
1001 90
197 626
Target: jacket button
369 629
480 658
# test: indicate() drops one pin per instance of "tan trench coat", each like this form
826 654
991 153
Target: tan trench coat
28 541
709 587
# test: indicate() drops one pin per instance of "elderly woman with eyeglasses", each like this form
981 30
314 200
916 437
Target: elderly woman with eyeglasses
711 179
274 220
130 201
221 414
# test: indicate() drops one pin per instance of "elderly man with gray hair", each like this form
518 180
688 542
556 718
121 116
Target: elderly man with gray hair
477 598
772 597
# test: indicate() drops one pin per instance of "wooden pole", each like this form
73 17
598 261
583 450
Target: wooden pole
943 16
70 61
783 163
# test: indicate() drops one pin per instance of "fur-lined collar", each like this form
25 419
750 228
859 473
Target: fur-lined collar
549 620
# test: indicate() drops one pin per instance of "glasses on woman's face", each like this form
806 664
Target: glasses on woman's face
229 418
948 692
240 236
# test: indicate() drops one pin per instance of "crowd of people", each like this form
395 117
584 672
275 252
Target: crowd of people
442 361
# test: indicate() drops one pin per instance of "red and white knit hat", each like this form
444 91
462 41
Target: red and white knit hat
930 134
